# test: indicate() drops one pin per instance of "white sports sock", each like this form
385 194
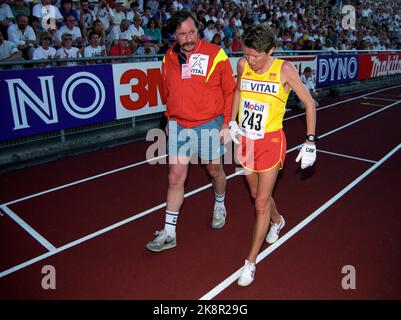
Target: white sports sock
171 222
219 200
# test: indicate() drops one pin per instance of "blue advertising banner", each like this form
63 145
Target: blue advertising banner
334 69
42 100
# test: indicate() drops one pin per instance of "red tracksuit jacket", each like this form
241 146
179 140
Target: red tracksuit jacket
209 91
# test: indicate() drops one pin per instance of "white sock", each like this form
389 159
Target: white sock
171 222
219 200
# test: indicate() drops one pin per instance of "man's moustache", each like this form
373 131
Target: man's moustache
191 43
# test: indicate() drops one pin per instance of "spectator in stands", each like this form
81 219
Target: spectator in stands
309 83
332 36
210 30
146 50
23 36
6 16
105 14
210 15
136 31
161 15
178 5
8 51
120 47
328 47
153 31
219 29
230 29
67 50
317 45
145 17
249 20
67 10
19 7
70 28
236 45
45 51
119 31
86 17
153 5
169 42
134 10
94 49
118 12
217 40
227 45
99 29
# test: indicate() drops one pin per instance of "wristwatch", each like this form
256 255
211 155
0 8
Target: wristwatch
311 138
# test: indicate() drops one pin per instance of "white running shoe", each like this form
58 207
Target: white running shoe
219 217
162 242
247 274
274 231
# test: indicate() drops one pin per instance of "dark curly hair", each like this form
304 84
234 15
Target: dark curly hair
179 17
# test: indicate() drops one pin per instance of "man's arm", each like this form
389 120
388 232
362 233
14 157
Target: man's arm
165 89
228 86
15 54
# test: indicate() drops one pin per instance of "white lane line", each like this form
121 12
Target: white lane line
83 180
358 120
162 156
373 98
228 281
118 224
36 235
345 156
104 230
340 102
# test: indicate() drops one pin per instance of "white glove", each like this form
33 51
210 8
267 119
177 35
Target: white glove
234 131
307 155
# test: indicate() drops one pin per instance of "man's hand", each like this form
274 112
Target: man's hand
234 131
307 155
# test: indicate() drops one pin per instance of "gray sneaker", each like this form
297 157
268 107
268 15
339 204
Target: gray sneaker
162 242
219 217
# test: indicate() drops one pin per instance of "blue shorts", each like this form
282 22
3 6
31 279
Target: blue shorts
203 140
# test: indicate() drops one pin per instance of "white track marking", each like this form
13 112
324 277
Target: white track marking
340 102
83 180
118 224
39 238
102 231
373 98
345 156
358 120
163 156
228 281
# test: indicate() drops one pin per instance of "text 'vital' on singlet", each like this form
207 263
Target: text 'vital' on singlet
263 101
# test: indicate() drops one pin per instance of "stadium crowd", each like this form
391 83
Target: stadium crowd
91 28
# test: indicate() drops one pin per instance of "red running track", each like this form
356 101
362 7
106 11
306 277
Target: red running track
81 229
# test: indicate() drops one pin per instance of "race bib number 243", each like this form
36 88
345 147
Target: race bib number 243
253 118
